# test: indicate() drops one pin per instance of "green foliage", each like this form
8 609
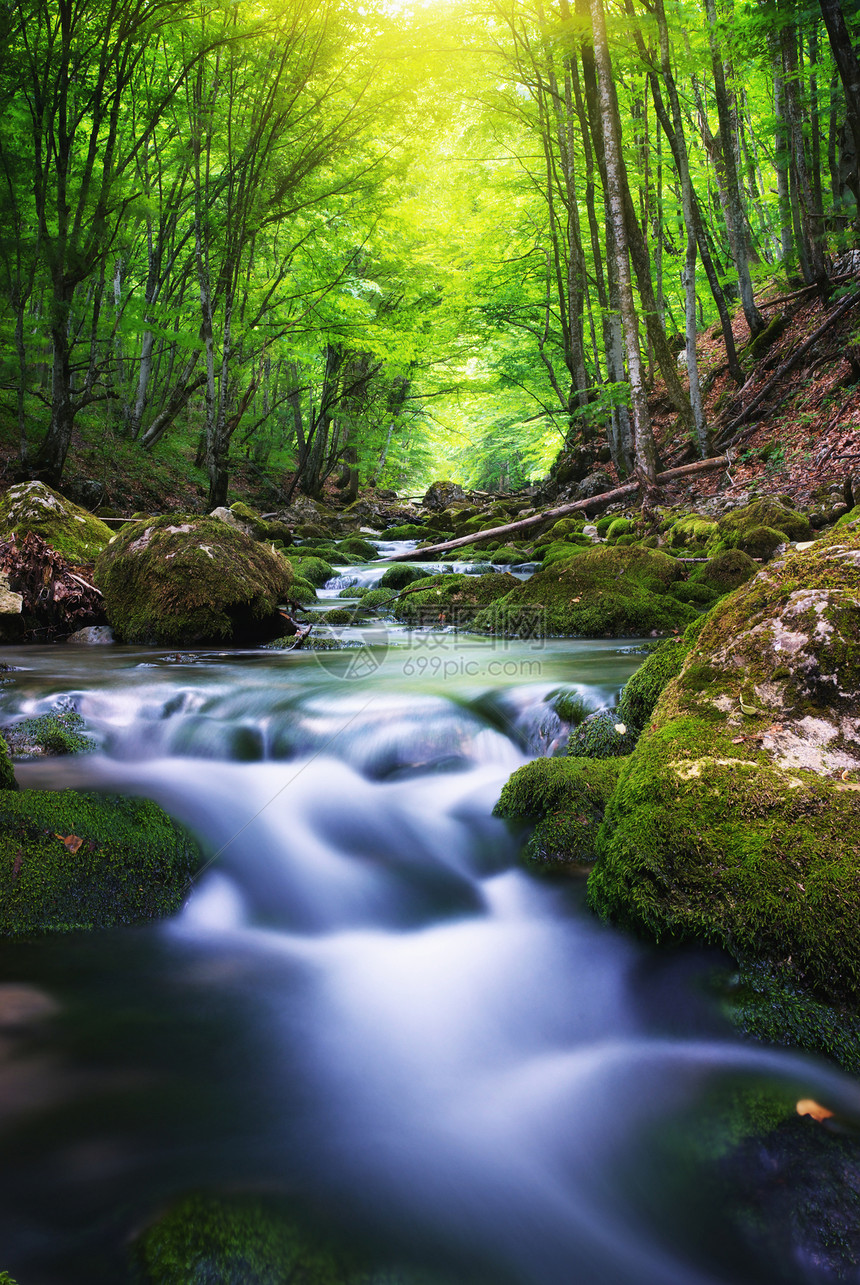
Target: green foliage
7 772
132 862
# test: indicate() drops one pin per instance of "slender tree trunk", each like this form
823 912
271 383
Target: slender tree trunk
645 455
815 271
735 209
848 64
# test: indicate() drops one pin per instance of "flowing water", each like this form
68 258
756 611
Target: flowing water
367 1004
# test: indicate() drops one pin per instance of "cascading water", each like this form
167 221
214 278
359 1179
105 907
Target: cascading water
366 1004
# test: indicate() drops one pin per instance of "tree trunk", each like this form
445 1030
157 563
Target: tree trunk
848 64
645 455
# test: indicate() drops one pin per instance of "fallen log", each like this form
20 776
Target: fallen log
788 365
561 510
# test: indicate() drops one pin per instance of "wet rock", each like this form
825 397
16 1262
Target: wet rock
92 636
70 530
565 800
593 484
175 581
737 819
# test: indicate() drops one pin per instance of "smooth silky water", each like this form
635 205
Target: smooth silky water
367 1006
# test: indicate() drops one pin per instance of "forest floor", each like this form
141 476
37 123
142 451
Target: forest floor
803 438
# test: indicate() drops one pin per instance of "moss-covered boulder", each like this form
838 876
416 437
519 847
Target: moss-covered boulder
452 600
71 862
642 691
565 799
72 531
400 575
692 531
726 572
7 772
602 592
406 531
737 819
355 547
315 571
55 733
176 581
601 736
735 527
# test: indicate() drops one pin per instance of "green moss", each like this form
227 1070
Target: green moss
692 530
338 616
302 590
133 863
58 732
315 570
358 548
7 772
508 556
176 581
759 542
375 598
407 531
603 524
852 516
567 799
601 592
766 1007
569 704
694 593
452 599
566 527
730 827
400 575
642 691
598 737
621 526
72 531
727 571
559 550
765 512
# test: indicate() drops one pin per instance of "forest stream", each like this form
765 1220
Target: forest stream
367 1004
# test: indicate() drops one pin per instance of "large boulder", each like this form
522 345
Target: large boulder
440 494
601 592
70 530
452 599
737 818
177 581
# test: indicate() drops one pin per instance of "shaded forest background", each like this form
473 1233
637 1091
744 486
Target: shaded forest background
370 246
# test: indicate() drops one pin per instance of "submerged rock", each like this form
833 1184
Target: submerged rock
70 530
737 819
175 581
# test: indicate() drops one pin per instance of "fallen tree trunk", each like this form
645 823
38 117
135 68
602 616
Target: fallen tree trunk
561 511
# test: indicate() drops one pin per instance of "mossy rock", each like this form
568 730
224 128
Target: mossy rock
621 526
642 691
567 799
54 733
737 819
406 531
695 593
71 530
569 705
401 575
242 1240
377 598
452 599
174 581
358 548
507 556
764 512
692 531
566 527
727 571
561 549
601 736
315 570
602 592
73 862
760 542
302 591
603 524
338 616
853 515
